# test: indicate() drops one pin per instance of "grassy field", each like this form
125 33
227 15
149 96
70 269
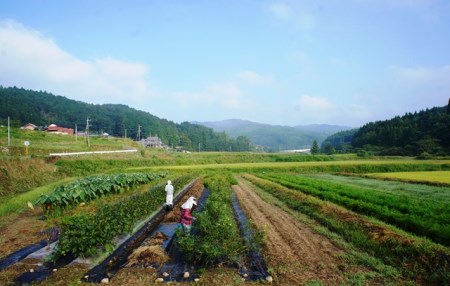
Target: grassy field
43 143
431 177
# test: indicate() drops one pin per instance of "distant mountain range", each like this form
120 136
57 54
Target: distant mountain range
275 137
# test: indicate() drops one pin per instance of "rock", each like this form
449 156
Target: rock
269 278
86 276
186 275
105 280
245 275
54 270
159 280
165 274
82 204
197 279
31 270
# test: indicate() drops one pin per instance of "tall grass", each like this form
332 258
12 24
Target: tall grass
22 175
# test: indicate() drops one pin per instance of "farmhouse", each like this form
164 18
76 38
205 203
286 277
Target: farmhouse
153 142
29 126
53 128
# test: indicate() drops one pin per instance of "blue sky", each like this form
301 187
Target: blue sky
345 62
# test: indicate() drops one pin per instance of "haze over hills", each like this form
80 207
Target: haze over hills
275 137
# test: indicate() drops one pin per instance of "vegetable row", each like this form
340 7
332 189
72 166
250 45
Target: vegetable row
413 255
86 234
422 217
215 235
93 187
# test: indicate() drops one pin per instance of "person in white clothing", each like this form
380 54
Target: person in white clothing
169 195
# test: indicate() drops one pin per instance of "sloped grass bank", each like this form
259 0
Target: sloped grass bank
417 258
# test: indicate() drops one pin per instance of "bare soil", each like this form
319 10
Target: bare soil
20 230
294 253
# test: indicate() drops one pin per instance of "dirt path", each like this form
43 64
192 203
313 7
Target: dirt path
294 252
175 215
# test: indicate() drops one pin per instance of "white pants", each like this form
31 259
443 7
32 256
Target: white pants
169 199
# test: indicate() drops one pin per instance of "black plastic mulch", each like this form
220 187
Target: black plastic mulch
177 266
42 272
53 234
257 267
112 264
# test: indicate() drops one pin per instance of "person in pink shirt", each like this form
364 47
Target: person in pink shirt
186 214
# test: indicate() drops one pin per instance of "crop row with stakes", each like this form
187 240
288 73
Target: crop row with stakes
415 256
215 235
93 187
417 215
85 234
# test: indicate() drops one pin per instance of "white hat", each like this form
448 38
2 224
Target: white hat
169 182
189 203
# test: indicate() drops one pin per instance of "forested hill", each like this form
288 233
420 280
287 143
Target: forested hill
424 132
42 109
419 133
275 137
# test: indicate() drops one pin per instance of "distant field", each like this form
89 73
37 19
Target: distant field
430 176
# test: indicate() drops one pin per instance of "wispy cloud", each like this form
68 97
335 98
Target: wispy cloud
254 78
32 60
292 12
224 95
281 10
314 103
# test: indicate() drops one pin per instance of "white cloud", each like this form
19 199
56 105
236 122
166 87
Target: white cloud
31 60
225 95
281 10
293 12
254 78
313 103
228 95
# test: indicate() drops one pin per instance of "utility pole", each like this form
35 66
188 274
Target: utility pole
125 134
9 133
87 131
139 133
76 133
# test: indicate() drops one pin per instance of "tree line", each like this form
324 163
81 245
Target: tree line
422 133
42 109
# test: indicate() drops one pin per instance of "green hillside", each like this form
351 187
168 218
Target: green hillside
42 109
421 133
275 137
424 132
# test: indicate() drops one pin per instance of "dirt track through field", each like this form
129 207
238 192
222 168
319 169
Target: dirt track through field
294 251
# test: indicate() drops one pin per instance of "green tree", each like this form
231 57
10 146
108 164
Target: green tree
315 148
330 150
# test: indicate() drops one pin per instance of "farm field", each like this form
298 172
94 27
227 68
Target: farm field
315 222
442 177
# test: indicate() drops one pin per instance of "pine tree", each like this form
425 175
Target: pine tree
315 148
